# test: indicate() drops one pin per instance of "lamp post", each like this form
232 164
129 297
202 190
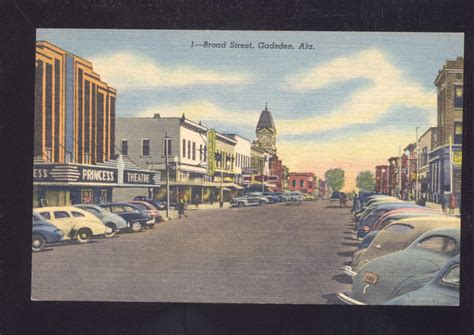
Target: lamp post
166 141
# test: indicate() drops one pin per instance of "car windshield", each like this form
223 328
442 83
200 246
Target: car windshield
399 228
129 209
61 215
77 214
441 244
140 206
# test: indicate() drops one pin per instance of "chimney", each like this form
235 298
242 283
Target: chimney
156 116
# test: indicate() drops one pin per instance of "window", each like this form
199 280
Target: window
184 148
442 244
452 276
310 184
77 214
125 147
194 151
457 133
301 182
141 207
294 183
167 146
399 228
458 96
200 152
61 215
117 209
205 153
129 209
424 156
68 157
146 147
49 155
46 215
458 76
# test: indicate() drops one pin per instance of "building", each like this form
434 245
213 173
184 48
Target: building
426 143
445 159
301 181
410 152
381 179
266 132
242 156
74 131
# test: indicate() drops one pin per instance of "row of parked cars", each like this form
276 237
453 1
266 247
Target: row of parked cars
407 255
264 198
83 221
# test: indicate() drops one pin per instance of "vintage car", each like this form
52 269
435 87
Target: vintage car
74 223
274 198
149 209
365 210
402 213
161 205
136 219
111 220
308 197
393 275
397 236
249 200
442 290
294 198
365 223
43 233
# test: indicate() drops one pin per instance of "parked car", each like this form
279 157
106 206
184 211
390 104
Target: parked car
149 209
136 219
43 233
111 220
74 223
335 196
442 290
248 200
308 197
161 205
397 236
274 198
398 273
265 198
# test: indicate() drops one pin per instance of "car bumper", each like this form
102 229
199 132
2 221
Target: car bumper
348 271
347 299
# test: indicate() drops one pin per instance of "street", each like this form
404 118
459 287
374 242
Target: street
270 254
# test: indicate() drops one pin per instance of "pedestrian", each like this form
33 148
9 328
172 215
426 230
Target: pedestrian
211 198
196 201
452 203
442 200
181 206
355 203
343 200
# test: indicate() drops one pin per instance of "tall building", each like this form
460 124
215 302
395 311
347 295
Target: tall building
426 143
301 181
381 179
74 109
445 159
74 135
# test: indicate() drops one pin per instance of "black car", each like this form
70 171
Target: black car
136 219
157 203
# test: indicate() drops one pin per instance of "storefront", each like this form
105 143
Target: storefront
65 184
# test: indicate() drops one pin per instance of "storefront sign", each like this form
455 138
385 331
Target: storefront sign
72 173
457 158
141 177
211 149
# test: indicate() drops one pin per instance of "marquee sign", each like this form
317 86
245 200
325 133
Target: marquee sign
211 149
141 177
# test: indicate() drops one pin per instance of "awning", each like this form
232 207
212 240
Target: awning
226 189
237 187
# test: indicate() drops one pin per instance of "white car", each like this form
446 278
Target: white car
294 197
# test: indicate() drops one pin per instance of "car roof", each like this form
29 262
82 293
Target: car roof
454 232
88 206
446 218
57 208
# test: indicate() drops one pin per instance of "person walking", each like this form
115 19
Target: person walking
452 203
442 200
196 201
181 206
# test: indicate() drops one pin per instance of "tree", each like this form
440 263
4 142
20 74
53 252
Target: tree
335 178
365 181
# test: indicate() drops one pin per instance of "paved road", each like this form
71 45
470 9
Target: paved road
270 254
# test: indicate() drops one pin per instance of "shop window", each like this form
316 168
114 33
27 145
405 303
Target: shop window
86 196
457 133
103 196
146 147
124 147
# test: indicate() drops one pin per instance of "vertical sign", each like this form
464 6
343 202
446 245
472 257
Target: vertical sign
211 149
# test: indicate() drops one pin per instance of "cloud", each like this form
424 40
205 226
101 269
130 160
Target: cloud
205 111
133 71
388 87
360 152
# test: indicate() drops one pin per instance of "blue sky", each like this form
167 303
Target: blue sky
352 90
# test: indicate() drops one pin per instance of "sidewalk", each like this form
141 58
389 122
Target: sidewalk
436 206
173 213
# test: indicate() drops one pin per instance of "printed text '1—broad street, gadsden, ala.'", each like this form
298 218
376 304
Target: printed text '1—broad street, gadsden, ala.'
252 45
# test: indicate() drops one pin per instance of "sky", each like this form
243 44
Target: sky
349 102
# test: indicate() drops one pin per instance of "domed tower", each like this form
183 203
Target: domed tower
266 132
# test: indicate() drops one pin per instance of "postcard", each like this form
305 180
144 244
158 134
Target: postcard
263 167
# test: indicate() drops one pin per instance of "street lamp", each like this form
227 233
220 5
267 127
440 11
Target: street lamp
166 141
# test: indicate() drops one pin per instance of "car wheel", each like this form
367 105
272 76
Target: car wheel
83 235
37 243
240 204
112 230
135 226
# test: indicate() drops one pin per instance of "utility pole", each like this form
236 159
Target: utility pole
417 165
451 188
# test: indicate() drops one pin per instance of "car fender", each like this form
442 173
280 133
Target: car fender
96 227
